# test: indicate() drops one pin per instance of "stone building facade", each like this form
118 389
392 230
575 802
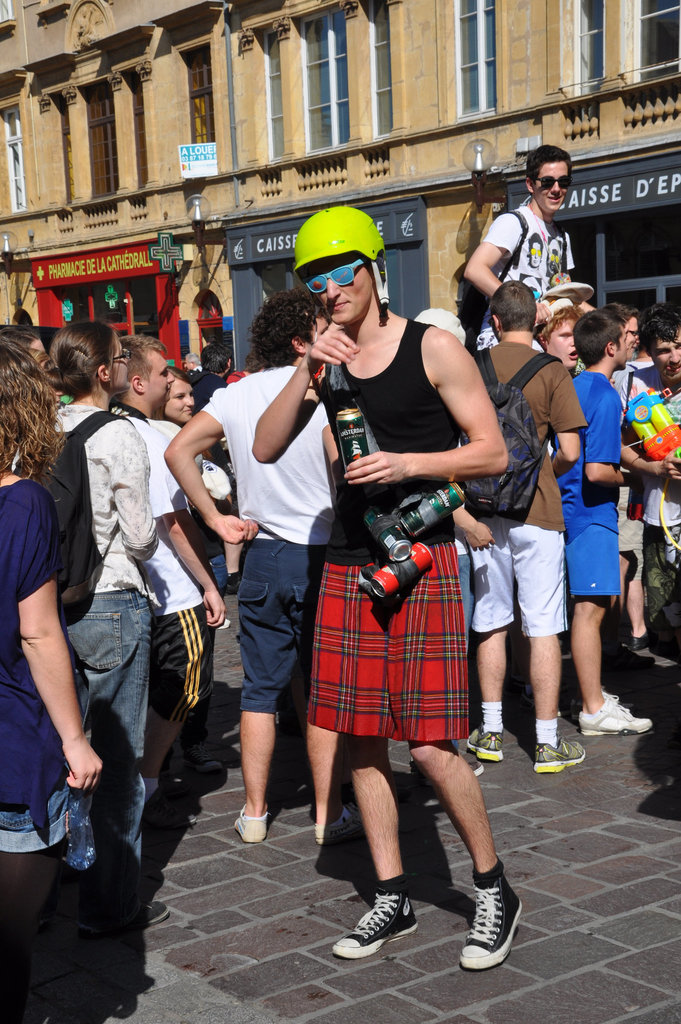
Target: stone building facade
116 113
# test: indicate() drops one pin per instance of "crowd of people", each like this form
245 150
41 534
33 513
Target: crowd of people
319 485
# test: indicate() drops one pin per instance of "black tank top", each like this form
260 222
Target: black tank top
406 415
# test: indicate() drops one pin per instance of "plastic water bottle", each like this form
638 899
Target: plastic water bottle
80 848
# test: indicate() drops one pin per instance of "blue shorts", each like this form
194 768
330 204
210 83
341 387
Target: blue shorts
18 831
277 606
593 563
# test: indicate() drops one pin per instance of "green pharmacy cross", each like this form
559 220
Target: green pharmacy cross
111 297
167 254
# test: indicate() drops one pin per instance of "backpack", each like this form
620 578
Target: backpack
69 485
511 494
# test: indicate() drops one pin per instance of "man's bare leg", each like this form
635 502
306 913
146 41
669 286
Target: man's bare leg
377 799
461 797
545 673
159 736
258 734
324 750
586 649
491 658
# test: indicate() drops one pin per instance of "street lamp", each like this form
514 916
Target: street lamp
9 244
478 157
198 211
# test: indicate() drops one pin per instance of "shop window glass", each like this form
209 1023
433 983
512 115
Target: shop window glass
659 36
201 95
383 100
642 247
275 277
326 63
275 106
638 297
591 26
75 304
103 146
15 159
476 45
142 295
109 299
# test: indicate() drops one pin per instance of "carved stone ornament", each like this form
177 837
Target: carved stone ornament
115 80
87 26
70 94
246 40
282 26
143 69
349 8
44 102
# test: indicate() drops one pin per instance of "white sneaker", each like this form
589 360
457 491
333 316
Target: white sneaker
349 828
613 719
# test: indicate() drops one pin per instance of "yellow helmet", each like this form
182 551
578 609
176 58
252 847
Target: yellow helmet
336 231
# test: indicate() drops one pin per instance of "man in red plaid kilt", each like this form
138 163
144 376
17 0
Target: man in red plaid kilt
394 671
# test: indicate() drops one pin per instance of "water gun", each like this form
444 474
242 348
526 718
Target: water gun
652 423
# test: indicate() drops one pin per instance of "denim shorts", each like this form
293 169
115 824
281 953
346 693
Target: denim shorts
18 832
277 604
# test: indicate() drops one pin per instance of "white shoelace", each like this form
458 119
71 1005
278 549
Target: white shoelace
380 914
487 916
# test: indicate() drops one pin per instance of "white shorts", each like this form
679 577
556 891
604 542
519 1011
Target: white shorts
535 559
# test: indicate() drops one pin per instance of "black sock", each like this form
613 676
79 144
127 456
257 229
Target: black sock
486 879
397 884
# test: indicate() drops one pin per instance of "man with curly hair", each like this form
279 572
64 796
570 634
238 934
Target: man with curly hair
289 504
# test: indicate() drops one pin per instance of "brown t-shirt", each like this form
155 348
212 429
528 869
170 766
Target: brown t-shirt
553 401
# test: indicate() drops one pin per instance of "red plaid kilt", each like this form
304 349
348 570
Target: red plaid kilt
398 673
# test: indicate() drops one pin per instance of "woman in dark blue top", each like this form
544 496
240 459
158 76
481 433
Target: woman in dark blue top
43 749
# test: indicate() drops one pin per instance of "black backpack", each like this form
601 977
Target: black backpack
511 494
69 485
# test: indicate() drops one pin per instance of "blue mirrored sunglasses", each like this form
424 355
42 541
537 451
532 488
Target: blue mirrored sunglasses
341 275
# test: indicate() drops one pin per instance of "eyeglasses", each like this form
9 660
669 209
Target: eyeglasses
125 354
547 182
340 275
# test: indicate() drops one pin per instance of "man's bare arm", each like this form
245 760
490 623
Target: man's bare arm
604 473
457 379
198 434
478 270
568 453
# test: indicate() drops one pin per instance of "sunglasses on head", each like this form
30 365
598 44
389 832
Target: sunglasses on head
340 275
125 354
547 182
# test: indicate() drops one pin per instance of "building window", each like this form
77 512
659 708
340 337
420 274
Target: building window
201 95
659 36
591 15
15 159
476 44
140 130
380 68
6 12
103 149
275 107
326 79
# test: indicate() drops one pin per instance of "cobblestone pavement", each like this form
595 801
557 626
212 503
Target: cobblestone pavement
595 853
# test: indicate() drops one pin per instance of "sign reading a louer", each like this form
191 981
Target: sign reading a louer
198 160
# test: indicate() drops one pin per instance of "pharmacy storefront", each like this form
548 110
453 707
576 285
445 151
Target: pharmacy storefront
623 223
122 286
261 261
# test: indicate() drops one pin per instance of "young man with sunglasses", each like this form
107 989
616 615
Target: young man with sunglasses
395 671
545 248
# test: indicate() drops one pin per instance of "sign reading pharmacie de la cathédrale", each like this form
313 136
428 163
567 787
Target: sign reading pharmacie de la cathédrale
616 187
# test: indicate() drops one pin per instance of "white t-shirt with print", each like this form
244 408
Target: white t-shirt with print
174 586
540 257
